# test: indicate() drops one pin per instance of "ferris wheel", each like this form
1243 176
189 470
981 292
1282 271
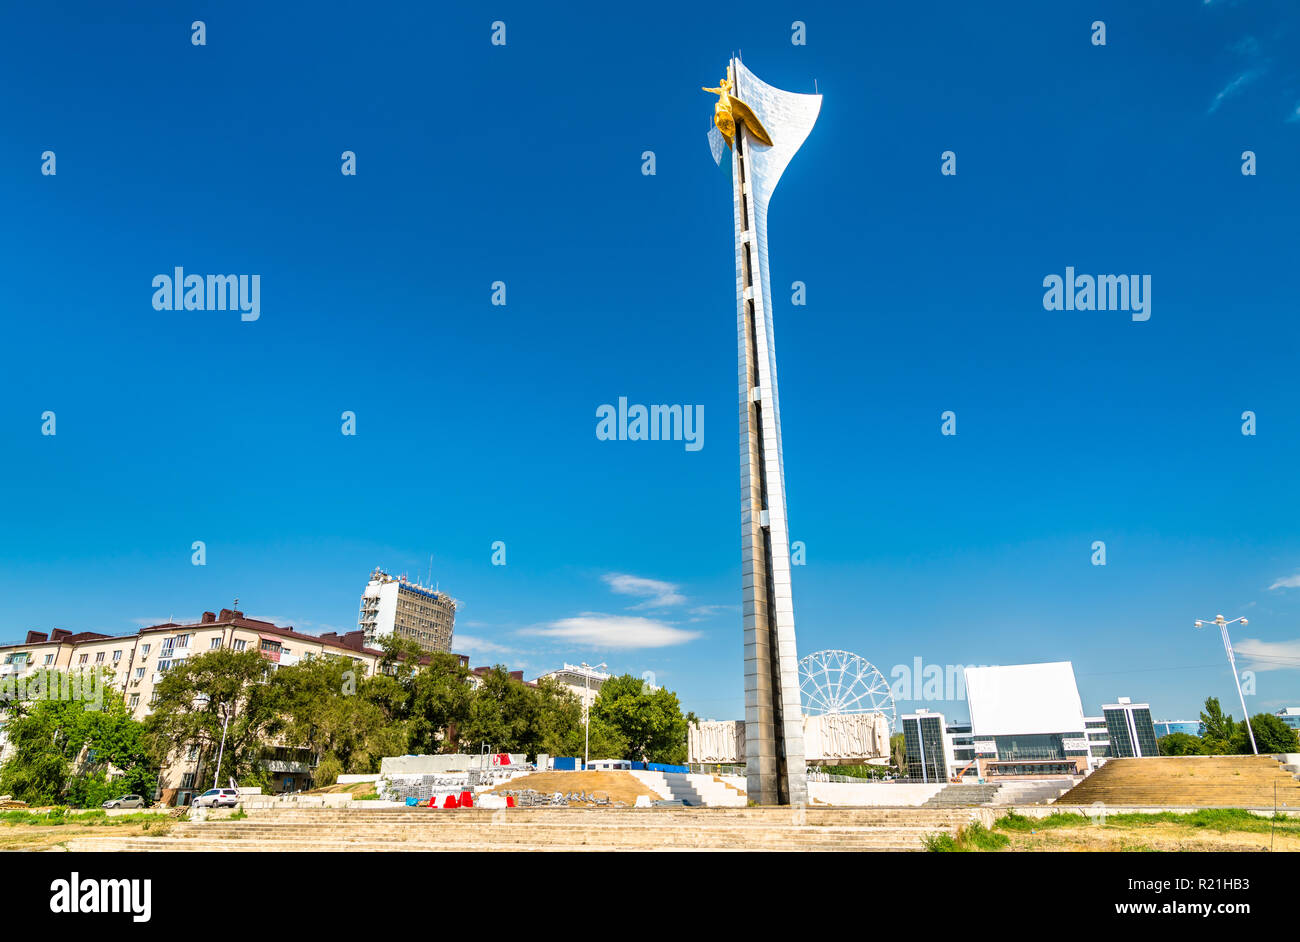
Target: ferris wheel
843 682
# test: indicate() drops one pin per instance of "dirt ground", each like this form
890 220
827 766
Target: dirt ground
619 786
358 789
1152 837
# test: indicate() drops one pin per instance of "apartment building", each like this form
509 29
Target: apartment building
139 662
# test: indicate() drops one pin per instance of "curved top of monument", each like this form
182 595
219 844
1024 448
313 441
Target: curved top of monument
788 117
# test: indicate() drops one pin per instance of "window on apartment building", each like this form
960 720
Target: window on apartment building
133 701
164 666
84 659
238 645
144 650
192 752
49 659
187 780
215 645
183 641
117 656
139 673
99 658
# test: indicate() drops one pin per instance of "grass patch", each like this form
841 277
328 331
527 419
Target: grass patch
1221 820
92 818
973 837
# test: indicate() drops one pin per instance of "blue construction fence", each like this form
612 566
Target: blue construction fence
573 764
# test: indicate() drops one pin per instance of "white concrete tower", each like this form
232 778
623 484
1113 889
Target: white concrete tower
764 127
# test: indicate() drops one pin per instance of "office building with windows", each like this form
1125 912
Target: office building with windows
928 746
1290 716
395 606
1190 727
1131 731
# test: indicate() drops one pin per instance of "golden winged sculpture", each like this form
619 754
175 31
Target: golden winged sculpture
730 110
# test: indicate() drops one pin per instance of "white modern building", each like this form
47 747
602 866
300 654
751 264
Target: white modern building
1290 716
396 606
1027 719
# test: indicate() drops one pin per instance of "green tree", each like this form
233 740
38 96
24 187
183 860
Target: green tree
75 751
1217 729
193 702
898 752
324 711
504 715
439 704
1181 744
649 723
1271 735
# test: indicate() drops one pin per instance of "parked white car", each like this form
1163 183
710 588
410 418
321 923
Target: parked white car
217 798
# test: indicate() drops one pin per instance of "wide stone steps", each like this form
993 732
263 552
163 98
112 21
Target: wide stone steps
528 837
173 845
1188 782
658 817
753 829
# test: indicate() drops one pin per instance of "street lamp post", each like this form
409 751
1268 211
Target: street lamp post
586 709
225 712
1232 662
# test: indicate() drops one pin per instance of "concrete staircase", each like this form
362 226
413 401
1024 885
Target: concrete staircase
422 829
1189 782
1031 792
962 796
698 791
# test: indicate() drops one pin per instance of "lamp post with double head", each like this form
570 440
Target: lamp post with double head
1232 662
586 709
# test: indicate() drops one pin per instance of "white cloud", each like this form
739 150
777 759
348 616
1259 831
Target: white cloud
614 631
1235 86
1286 582
702 612
657 594
468 644
1269 655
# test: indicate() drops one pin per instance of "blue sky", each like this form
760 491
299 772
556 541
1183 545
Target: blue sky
476 423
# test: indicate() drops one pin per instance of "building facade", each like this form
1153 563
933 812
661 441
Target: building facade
1168 727
137 664
395 606
583 682
1027 720
1290 716
1132 733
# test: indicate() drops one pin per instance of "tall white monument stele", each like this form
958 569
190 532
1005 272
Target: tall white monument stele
763 127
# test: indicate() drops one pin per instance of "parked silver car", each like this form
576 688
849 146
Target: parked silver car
126 801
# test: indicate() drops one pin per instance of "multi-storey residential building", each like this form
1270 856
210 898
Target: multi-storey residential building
582 682
139 662
394 606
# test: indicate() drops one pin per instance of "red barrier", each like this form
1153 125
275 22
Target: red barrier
510 801
467 799
450 802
